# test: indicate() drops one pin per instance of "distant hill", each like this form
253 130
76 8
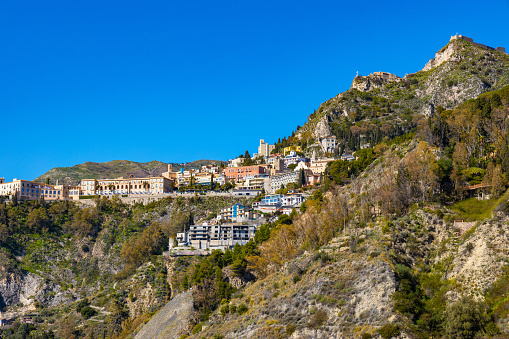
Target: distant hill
114 169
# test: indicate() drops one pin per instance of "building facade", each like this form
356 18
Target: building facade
318 166
216 236
152 185
329 144
264 149
244 172
32 190
284 179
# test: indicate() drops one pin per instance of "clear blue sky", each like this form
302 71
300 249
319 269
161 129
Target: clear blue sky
177 81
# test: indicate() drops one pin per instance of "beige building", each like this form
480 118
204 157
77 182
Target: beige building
318 166
264 149
121 186
170 174
31 190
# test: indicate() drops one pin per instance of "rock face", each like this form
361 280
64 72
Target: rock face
483 254
447 53
372 81
322 129
10 288
171 321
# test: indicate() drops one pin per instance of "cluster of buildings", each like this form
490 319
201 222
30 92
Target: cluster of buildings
234 225
269 173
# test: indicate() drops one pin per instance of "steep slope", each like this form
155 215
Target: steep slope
171 321
383 104
114 169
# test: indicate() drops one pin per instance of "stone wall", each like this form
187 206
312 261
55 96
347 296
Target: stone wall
146 199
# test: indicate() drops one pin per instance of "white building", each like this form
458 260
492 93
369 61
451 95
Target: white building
277 180
329 144
293 158
215 236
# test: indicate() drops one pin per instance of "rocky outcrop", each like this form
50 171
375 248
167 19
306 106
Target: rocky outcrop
234 280
171 321
322 129
448 53
372 81
10 288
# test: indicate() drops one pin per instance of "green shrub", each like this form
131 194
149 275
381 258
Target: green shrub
242 309
82 304
88 312
366 335
318 319
290 328
224 309
389 330
197 328
465 318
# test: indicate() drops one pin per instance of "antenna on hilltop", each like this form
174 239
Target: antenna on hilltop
357 74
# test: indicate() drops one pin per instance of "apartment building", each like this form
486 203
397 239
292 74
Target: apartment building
152 185
215 236
284 179
244 172
279 202
238 212
31 190
293 158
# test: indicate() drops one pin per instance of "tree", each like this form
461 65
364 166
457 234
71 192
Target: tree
495 101
423 169
4 233
465 318
38 220
488 177
497 183
48 180
301 180
460 156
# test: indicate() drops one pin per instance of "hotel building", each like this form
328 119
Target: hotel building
152 185
31 190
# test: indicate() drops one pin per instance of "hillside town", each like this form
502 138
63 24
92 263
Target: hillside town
264 173
277 181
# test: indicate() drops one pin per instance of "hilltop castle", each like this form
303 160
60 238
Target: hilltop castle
454 37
